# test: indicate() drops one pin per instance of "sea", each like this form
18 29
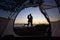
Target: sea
21 25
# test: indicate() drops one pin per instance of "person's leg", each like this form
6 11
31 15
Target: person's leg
28 23
31 23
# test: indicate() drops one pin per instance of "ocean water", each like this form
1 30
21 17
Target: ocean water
21 25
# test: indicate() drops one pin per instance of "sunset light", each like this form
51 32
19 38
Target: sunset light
38 17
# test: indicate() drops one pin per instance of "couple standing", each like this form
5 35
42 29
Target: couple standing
30 19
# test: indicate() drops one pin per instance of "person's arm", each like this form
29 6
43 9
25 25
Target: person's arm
28 17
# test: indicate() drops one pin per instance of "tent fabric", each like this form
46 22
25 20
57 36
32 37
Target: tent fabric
7 13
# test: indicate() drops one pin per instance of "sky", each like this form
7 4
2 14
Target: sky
38 17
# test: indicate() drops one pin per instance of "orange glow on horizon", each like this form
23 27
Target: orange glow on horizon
34 22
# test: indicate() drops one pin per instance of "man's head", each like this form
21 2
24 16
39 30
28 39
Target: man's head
30 14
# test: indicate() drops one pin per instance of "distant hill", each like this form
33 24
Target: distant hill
56 22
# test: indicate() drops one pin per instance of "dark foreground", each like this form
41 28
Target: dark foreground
38 30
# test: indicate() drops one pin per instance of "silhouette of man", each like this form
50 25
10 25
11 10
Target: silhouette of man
30 19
